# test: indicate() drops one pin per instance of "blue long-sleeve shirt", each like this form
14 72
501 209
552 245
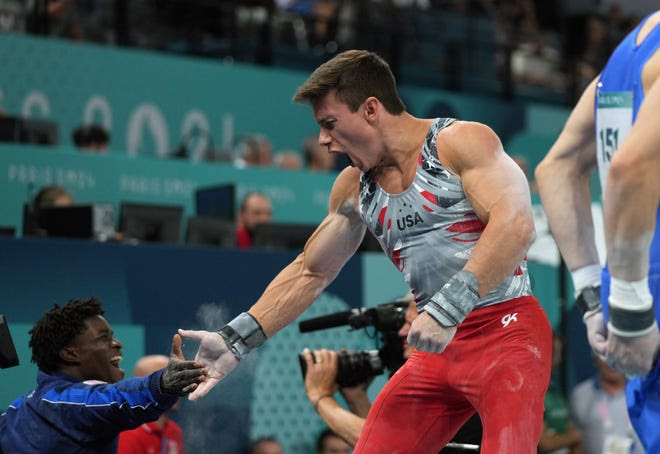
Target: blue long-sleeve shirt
67 415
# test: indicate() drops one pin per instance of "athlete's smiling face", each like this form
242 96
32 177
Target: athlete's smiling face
98 353
346 132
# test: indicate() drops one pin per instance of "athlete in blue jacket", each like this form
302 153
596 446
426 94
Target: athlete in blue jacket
615 127
81 402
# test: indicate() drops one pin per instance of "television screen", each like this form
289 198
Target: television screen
27 130
216 201
210 231
150 222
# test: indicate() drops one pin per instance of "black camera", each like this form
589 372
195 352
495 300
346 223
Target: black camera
358 366
353 367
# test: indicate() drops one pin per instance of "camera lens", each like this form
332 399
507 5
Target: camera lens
358 367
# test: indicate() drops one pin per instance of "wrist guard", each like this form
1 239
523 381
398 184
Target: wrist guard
630 308
586 276
588 301
455 300
243 334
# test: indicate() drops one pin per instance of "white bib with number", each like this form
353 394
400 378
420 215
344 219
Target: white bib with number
614 117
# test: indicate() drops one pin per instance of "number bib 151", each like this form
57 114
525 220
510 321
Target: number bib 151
614 116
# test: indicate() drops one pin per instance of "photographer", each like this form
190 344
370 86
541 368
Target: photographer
321 384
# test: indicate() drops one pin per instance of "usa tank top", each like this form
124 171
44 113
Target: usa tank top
429 230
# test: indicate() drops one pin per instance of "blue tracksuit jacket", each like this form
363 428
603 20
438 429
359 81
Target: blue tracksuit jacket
67 415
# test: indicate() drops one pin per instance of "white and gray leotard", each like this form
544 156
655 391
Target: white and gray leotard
429 230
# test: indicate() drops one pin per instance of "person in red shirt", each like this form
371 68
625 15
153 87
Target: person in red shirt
255 209
160 436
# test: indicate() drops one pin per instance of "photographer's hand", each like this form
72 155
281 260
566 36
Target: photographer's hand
321 374
427 335
320 385
356 397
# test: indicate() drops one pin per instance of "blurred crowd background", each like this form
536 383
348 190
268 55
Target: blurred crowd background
543 50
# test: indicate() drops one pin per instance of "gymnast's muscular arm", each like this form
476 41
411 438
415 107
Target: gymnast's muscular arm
632 192
292 291
336 239
499 194
563 180
631 199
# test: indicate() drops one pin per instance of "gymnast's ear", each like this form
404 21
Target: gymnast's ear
371 108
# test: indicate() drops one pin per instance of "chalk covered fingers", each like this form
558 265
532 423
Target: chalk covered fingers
181 377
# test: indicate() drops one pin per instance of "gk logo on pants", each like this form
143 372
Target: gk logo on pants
508 318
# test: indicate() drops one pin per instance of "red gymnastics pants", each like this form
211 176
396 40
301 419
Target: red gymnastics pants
497 364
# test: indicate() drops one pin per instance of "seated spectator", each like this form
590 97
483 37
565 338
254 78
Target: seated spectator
322 30
255 209
255 151
91 138
47 196
63 19
161 435
14 14
266 445
594 51
52 196
329 442
82 401
317 157
599 408
534 62
288 159
615 25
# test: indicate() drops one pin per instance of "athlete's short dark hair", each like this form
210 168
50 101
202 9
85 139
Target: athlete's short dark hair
57 329
355 75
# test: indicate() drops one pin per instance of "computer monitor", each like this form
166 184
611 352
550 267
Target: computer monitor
294 236
28 130
203 230
150 222
282 235
7 230
71 221
216 201
8 356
